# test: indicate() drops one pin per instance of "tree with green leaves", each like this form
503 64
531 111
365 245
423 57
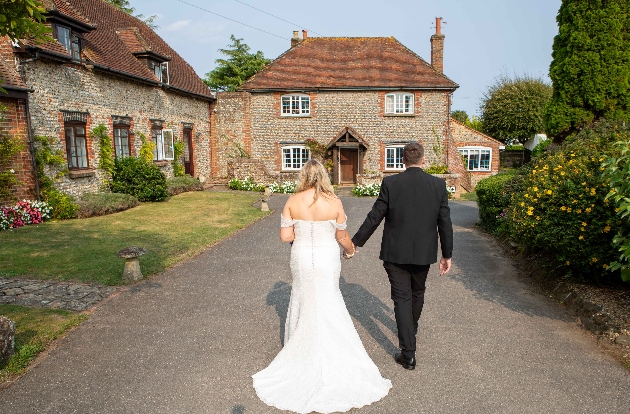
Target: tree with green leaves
590 71
125 6
237 68
512 108
460 116
23 19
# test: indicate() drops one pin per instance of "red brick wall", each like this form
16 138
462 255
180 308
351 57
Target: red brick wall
15 124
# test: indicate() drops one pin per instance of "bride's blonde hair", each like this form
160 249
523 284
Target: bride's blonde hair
314 175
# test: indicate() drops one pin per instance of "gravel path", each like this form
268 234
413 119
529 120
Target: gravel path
188 340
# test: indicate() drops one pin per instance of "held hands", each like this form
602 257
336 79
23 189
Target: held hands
445 266
347 255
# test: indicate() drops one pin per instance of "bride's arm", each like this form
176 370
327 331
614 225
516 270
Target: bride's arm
286 233
342 235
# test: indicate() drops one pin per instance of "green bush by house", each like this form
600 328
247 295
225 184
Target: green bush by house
182 184
141 179
100 204
493 200
560 205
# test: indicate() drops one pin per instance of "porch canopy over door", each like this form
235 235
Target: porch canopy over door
348 149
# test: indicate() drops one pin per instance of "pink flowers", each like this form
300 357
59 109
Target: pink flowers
23 213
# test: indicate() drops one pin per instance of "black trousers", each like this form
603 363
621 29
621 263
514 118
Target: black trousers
408 285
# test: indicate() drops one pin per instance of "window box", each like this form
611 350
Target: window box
295 105
477 158
399 103
294 157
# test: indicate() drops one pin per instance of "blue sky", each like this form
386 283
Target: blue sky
484 38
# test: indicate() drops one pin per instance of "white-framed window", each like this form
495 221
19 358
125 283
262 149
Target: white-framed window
295 105
393 157
477 158
163 140
294 157
399 103
160 70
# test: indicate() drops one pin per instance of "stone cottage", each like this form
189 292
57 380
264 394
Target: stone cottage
479 151
362 98
104 67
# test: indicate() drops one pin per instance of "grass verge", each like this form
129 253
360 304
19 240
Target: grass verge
468 196
35 329
85 250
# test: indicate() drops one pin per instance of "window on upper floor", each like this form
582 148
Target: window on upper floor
399 103
160 70
393 157
296 105
477 158
70 40
294 157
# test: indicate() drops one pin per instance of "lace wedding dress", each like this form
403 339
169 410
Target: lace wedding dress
323 366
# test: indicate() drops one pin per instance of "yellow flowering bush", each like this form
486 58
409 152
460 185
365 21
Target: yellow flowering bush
558 204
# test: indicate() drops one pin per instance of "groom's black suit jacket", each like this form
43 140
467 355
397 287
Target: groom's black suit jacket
415 207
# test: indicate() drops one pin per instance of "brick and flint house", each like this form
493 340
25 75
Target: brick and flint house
362 98
104 67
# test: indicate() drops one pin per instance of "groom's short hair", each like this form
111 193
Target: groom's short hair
413 153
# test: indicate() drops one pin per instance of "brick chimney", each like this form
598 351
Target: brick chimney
437 47
295 40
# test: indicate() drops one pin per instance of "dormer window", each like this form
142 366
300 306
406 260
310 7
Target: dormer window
160 70
70 40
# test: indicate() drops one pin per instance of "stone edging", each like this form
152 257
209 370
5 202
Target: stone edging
53 294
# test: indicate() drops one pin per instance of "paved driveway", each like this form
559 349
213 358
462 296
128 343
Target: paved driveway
188 340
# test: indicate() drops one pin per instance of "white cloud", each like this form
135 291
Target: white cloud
177 26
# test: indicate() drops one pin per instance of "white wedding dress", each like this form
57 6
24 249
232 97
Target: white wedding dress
323 366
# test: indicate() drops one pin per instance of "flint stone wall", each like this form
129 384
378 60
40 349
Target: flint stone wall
253 121
72 87
7 338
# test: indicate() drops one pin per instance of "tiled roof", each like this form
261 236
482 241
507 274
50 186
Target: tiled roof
8 73
116 36
346 62
474 131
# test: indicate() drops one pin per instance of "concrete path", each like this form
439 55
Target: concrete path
188 340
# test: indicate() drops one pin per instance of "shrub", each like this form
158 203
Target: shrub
64 206
492 199
617 174
540 148
368 190
287 187
436 169
183 184
560 207
135 176
23 213
245 185
100 204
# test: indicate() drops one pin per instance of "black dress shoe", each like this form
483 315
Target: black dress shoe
407 363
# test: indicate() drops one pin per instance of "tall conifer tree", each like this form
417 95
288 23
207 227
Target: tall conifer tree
590 71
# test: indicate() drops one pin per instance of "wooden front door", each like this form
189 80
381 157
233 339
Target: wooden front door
188 155
348 165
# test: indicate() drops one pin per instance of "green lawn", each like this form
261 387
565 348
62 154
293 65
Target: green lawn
85 249
35 329
468 196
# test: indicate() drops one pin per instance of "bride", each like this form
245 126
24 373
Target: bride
323 366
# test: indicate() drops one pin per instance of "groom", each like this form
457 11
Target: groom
414 205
